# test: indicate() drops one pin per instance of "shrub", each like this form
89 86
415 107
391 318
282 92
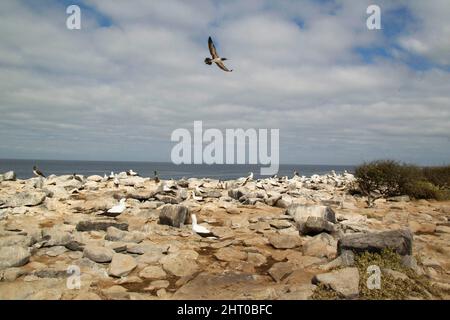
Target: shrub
390 178
439 176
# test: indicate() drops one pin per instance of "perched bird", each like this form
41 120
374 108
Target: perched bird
296 173
75 177
156 176
37 172
200 230
116 182
131 173
215 57
112 175
116 210
249 178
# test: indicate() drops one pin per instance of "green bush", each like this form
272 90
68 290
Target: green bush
439 176
389 178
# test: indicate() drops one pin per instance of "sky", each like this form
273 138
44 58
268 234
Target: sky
117 88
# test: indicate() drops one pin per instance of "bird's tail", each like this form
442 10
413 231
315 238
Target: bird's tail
208 61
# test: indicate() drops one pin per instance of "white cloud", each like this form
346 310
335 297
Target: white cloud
118 92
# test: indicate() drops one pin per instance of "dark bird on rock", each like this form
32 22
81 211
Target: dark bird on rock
156 176
75 177
37 172
215 57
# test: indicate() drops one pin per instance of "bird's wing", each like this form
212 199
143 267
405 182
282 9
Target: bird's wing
39 172
201 229
222 66
212 48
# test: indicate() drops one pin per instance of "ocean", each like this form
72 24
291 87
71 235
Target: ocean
23 169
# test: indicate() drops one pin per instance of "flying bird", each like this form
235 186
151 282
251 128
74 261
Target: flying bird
116 210
200 230
37 172
215 57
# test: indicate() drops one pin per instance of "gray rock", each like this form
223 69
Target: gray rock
25 198
153 272
280 224
16 240
96 225
284 241
167 199
55 237
173 215
321 245
302 213
316 225
114 234
121 265
75 246
280 270
179 265
98 254
148 248
410 262
13 256
235 194
9 176
344 281
400 241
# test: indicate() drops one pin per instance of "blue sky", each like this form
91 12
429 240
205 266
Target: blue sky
117 88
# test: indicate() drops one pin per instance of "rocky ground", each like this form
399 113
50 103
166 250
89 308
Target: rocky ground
299 238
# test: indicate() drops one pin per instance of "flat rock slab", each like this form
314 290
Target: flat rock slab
227 286
230 254
280 270
96 225
178 265
344 281
284 241
121 265
400 241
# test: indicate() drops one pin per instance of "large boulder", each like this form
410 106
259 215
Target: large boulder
321 245
179 265
316 225
25 198
98 254
173 215
400 241
284 241
9 176
56 237
16 240
301 213
13 256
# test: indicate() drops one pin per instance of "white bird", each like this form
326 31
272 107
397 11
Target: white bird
116 181
195 197
200 230
112 175
249 178
116 210
132 173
